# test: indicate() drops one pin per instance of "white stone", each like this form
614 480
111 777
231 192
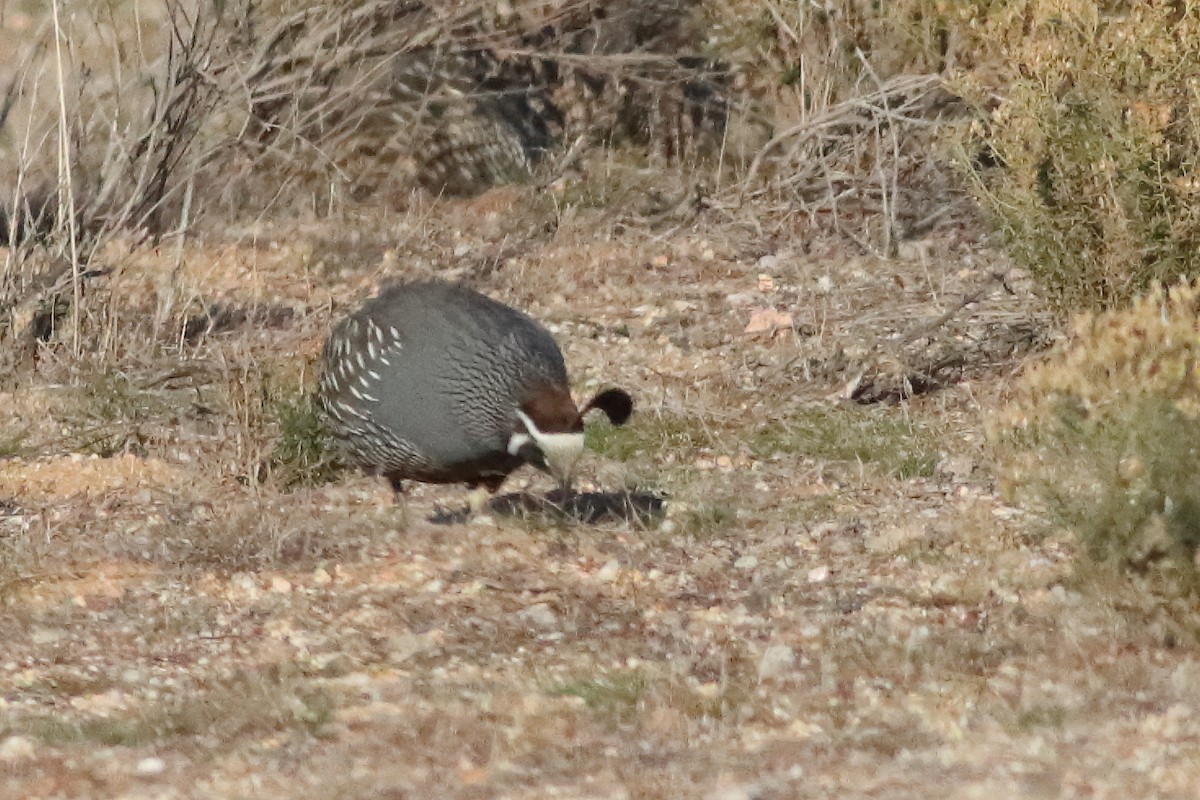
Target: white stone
778 660
152 765
609 571
17 748
540 615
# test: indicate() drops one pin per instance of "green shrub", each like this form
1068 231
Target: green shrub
1097 135
304 454
1103 438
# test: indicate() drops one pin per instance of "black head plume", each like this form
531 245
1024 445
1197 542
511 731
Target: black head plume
616 404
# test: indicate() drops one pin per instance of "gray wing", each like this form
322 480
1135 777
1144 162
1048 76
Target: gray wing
457 363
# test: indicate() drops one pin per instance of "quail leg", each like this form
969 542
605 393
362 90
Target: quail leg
399 496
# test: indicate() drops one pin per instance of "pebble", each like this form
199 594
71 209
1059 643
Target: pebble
17 748
748 792
894 538
746 562
45 636
540 615
778 660
152 765
609 571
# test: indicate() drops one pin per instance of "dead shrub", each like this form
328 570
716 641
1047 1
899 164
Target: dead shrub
850 93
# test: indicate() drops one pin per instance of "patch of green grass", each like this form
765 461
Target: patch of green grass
663 433
93 730
708 520
62 682
1051 716
622 696
895 444
615 695
112 415
244 705
304 454
11 443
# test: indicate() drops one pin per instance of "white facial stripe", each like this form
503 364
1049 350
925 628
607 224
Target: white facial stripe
516 442
561 450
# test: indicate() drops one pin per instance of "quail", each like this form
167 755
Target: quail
437 383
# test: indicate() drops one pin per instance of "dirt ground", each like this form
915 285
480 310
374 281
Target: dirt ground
834 602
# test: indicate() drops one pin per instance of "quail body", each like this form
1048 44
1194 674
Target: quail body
437 383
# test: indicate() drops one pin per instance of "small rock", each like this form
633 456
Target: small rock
321 577
280 585
958 468
17 748
152 765
768 321
748 792
44 636
539 615
609 571
823 529
778 660
894 538
818 574
746 562
404 646
912 250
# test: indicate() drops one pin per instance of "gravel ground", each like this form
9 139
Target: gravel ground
834 602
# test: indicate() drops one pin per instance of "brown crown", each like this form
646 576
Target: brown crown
552 410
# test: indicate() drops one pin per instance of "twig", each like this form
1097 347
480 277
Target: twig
66 182
927 328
